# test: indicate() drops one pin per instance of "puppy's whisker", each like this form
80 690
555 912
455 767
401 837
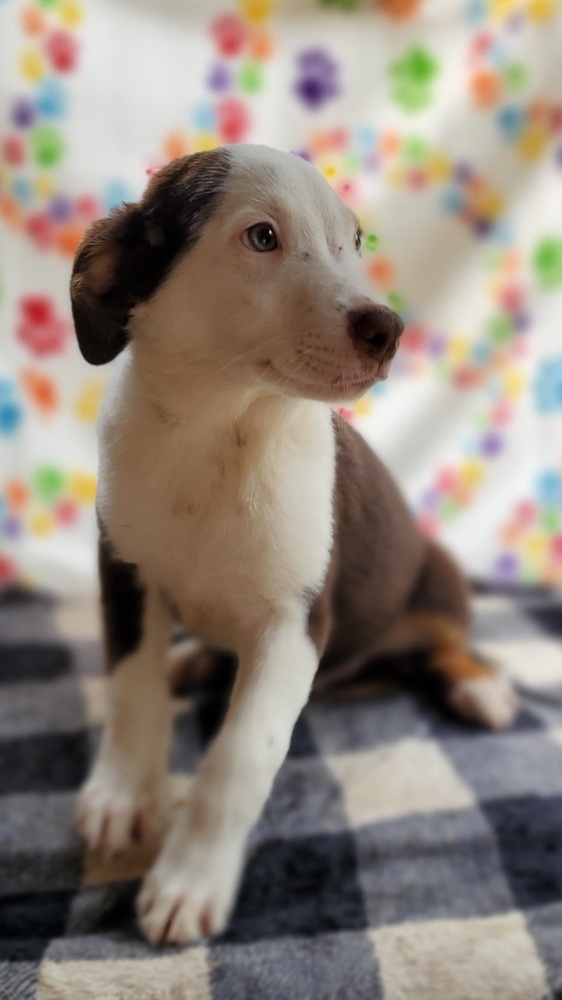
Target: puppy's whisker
253 352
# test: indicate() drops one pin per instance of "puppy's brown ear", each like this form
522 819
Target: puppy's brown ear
100 294
123 259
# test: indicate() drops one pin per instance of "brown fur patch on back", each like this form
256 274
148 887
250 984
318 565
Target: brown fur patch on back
441 588
376 557
385 579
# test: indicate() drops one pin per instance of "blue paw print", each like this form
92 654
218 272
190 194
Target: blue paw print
116 192
366 139
51 99
22 190
11 413
453 200
549 488
548 385
204 116
476 11
511 120
318 78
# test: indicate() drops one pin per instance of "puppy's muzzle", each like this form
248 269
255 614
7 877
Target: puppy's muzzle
375 332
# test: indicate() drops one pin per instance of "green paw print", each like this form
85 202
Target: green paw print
412 77
344 4
47 145
250 78
547 262
48 483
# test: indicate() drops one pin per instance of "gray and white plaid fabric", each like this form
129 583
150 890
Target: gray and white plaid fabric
401 856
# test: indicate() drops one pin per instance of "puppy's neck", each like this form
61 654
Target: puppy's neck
216 414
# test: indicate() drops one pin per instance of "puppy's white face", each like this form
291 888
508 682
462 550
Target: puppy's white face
269 291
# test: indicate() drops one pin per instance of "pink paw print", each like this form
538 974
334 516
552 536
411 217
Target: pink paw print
230 34
233 119
62 50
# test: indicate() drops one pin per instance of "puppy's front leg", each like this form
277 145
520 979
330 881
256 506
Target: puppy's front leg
125 796
192 886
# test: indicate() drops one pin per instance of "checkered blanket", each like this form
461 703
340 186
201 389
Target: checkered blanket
401 856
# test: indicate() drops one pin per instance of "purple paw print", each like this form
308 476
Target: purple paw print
318 77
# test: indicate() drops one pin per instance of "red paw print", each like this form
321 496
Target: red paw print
39 328
13 150
7 570
88 207
414 338
62 50
556 118
230 34
233 119
41 230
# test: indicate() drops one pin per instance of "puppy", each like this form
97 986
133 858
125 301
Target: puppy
232 497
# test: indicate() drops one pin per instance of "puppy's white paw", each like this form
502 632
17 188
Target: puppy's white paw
112 814
189 893
487 701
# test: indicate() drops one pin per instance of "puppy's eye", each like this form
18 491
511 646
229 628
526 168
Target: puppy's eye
357 241
260 237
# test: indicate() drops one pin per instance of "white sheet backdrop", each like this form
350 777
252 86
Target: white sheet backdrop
439 121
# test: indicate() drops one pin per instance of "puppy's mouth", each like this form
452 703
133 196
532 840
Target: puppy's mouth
341 388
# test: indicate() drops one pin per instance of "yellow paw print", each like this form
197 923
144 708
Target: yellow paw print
82 488
71 13
472 471
32 65
256 11
88 401
541 10
41 523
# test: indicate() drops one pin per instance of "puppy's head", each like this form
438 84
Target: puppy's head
240 261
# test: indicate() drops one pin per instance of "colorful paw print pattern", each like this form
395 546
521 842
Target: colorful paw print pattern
443 136
50 500
504 86
531 539
243 46
33 141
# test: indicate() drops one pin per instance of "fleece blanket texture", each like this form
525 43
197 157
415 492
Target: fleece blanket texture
401 856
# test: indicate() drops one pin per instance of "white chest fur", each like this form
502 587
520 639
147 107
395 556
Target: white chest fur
227 508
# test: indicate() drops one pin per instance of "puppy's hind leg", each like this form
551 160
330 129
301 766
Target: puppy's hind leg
191 666
439 614
125 796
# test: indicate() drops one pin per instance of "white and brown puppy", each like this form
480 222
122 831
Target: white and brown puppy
230 492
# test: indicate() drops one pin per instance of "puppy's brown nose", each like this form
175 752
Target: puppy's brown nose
375 331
